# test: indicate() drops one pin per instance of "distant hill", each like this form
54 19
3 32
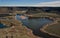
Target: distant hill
30 9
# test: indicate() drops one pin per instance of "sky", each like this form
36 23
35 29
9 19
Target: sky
29 2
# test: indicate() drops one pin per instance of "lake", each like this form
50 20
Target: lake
35 24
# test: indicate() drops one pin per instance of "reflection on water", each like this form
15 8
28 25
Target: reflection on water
35 24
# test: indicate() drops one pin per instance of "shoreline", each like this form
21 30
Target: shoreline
44 27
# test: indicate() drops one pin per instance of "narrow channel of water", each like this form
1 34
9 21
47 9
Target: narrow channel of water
35 24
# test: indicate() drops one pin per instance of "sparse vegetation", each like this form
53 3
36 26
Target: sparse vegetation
54 29
19 31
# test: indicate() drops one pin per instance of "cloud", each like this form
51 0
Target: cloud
42 4
53 3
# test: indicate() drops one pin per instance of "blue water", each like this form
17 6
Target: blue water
34 23
2 26
38 23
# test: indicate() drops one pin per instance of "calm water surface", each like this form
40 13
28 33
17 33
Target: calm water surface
35 24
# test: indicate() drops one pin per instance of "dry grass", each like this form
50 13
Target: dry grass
54 29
